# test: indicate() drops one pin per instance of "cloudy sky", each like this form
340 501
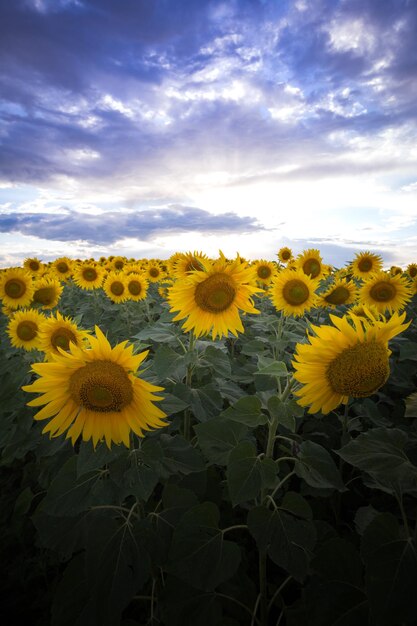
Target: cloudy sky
145 127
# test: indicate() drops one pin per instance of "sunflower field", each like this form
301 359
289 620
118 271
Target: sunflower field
209 441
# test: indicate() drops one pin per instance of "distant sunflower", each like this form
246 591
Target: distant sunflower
344 360
188 262
62 267
395 270
47 292
386 292
154 272
115 287
57 332
16 288
285 254
96 393
311 263
33 265
137 286
340 292
370 313
23 329
293 292
88 275
412 270
365 263
212 299
264 271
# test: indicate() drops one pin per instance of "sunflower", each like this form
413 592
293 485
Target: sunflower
16 288
96 393
395 270
293 292
137 286
365 263
154 272
211 299
47 292
368 312
344 360
412 270
188 262
23 329
264 272
115 287
58 332
285 254
118 263
33 265
386 292
63 267
310 262
88 275
340 292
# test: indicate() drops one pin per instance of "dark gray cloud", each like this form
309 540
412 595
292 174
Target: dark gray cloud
107 228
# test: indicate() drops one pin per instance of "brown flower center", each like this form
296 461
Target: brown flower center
15 288
44 295
295 292
383 291
312 267
359 371
339 295
61 338
216 293
365 265
90 274
117 287
101 386
264 271
134 287
27 330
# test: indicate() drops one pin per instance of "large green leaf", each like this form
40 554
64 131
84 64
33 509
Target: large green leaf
168 455
288 541
199 554
247 410
217 360
317 468
380 453
218 437
247 473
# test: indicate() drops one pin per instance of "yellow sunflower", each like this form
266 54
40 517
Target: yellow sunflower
293 292
115 287
154 272
47 292
412 270
23 329
63 267
96 393
137 286
368 312
88 275
118 263
340 292
33 265
365 263
285 254
344 360
187 262
311 263
264 271
211 299
16 288
58 332
386 292
395 270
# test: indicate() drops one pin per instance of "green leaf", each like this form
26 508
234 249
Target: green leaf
317 468
199 554
90 459
72 604
183 605
168 364
282 412
247 474
288 541
383 529
274 368
247 410
206 402
218 360
218 437
380 453
294 503
408 351
159 332
171 404
170 455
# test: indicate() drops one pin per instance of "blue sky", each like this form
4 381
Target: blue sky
145 127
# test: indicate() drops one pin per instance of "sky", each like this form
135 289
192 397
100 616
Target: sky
146 127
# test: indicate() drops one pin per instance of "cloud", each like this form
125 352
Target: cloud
107 228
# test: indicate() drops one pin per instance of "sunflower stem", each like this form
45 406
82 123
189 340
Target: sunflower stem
263 601
186 426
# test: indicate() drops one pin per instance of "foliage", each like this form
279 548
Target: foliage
244 510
